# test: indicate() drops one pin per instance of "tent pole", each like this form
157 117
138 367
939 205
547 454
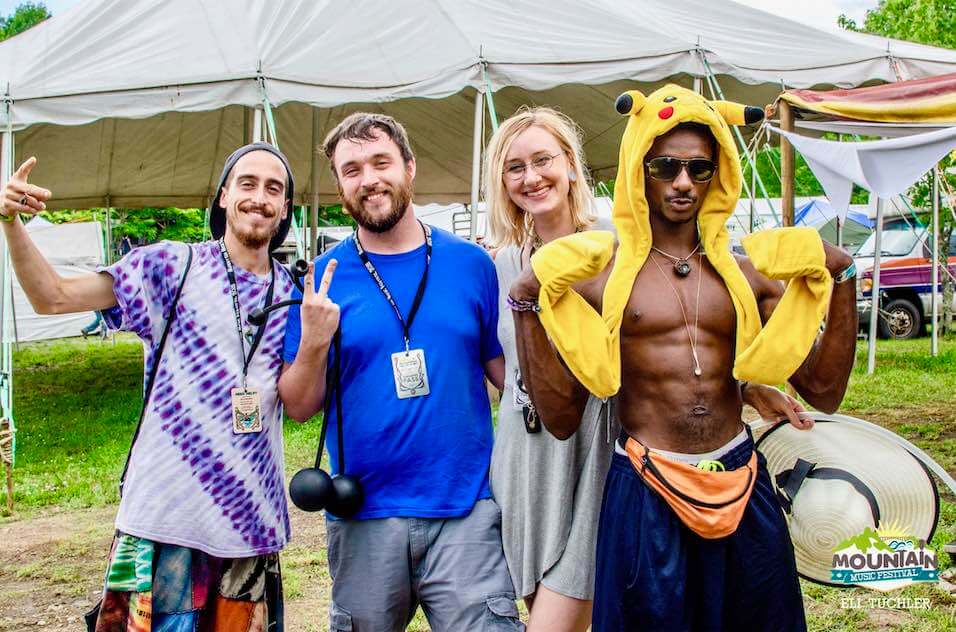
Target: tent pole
13 317
314 210
786 164
753 191
840 225
257 124
6 352
934 282
476 165
109 232
492 113
205 222
875 292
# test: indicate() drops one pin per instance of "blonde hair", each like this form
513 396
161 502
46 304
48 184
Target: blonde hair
509 224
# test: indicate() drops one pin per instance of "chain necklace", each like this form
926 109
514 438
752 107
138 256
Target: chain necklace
681 264
537 242
691 339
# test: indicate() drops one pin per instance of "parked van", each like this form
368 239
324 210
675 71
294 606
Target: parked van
905 279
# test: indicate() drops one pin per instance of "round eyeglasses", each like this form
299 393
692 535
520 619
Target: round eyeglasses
539 164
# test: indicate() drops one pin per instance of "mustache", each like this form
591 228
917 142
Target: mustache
367 191
263 209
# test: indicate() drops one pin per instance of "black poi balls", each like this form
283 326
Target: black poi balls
347 496
311 489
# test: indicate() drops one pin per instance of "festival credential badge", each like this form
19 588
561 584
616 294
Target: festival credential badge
246 416
411 376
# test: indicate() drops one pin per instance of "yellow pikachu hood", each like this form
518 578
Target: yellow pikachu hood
589 343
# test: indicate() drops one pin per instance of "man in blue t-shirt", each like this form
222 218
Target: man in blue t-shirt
418 310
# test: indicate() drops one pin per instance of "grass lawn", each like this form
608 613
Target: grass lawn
76 404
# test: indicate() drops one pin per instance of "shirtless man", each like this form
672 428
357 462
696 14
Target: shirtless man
678 398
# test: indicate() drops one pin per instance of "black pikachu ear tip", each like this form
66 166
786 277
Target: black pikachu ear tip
624 103
753 115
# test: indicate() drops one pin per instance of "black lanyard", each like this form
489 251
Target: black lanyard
406 325
234 291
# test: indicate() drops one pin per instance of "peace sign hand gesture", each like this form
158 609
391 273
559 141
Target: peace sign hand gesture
19 196
320 316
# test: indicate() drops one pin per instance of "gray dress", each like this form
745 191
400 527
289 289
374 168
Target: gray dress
549 491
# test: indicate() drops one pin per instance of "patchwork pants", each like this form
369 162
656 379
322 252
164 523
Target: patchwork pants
154 587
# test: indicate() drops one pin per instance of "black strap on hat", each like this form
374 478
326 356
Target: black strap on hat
790 481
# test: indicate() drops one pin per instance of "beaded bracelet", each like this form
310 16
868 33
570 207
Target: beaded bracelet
523 306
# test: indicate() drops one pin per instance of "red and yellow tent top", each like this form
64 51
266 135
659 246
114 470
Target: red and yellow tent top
927 100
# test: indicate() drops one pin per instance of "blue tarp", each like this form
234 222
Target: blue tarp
818 212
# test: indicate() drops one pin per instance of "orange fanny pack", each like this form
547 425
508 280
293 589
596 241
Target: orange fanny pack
711 504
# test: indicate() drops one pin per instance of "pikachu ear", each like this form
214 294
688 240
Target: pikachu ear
737 114
630 102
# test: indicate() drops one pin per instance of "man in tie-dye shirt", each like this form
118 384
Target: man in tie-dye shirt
203 511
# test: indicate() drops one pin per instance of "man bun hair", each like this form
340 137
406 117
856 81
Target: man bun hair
361 126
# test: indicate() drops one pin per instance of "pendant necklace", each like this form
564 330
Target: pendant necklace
537 242
681 264
691 339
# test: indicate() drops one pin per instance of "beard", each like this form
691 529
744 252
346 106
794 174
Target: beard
400 196
253 238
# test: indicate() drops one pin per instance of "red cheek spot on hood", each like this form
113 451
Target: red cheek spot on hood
666 113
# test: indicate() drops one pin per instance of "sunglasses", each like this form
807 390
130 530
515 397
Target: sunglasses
667 168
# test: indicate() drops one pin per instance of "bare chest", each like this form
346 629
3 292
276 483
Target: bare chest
662 302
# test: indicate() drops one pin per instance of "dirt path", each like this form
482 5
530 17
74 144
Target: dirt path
51 570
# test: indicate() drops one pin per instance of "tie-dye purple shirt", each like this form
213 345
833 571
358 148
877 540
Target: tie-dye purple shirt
191 480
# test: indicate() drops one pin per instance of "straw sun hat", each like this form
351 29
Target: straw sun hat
841 477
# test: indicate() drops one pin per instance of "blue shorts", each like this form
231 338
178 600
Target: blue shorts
653 573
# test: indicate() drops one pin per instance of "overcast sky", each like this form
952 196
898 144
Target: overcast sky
821 13
816 12
54 6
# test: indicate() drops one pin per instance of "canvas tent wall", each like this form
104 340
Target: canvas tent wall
71 249
136 103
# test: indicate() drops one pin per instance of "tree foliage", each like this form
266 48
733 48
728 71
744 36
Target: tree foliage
26 15
930 22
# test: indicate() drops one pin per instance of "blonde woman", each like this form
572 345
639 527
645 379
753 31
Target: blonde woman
550 491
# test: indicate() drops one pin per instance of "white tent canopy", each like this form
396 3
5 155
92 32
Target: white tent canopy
136 103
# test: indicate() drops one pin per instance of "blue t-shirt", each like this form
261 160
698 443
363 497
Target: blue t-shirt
428 456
